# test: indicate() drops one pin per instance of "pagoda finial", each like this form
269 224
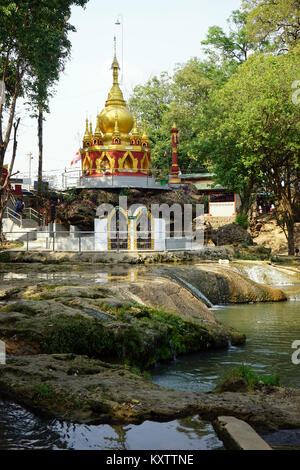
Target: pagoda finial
115 65
139 130
145 130
91 130
97 130
87 134
135 132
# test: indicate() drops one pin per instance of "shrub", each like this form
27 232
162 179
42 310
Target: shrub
254 380
242 221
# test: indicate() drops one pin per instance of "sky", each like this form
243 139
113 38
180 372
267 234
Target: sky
157 35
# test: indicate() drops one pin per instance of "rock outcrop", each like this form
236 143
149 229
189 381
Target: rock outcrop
223 285
84 390
231 234
109 323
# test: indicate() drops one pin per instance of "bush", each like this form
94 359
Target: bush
242 221
255 380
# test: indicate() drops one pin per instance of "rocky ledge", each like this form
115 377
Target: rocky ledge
84 390
112 323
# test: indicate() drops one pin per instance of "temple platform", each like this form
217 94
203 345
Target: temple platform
76 180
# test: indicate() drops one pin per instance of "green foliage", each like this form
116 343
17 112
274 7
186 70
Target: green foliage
254 380
20 308
43 391
163 100
231 49
278 22
79 335
242 221
140 337
70 195
251 132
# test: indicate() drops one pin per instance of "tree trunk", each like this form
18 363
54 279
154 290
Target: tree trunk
291 238
4 190
40 165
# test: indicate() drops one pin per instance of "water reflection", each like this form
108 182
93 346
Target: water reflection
21 429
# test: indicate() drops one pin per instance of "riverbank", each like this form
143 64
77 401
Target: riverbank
81 390
69 313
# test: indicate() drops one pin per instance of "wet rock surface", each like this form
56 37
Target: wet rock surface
83 390
86 331
123 322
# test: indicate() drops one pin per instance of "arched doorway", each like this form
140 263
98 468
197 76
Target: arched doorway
117 230
144 230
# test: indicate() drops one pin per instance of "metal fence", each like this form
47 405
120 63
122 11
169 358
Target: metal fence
114 241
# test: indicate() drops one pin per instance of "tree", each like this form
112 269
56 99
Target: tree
33 46
251 135
163 100
150 102
277 21
231 49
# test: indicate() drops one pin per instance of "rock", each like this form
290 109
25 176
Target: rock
222 284
99 392
108 322
80 213
231 234
8 293
233 384
238 435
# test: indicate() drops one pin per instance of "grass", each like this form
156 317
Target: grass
43 391
254 380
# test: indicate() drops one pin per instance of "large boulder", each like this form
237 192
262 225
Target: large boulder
231 234
79 213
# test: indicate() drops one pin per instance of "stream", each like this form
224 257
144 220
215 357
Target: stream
270 329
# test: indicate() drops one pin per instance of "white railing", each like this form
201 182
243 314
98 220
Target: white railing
14 216
109 177
113 241
32 214
28 213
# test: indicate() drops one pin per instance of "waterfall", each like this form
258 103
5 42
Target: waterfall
268 275
195 291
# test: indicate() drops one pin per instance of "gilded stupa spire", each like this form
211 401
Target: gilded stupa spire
115 103
91 130
139 130
135 132
145 136
97 130
115 96
87 134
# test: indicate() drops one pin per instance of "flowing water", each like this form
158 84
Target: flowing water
270 329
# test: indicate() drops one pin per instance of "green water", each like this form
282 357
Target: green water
270 329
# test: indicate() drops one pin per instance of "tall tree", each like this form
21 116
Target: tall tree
33 46
233 48
277 21
252 135
163 100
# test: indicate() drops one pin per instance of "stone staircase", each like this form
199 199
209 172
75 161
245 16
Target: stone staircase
20 227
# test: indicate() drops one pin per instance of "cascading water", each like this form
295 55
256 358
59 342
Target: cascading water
195 291
265 274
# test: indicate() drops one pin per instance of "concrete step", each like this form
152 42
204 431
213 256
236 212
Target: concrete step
13 231
238 435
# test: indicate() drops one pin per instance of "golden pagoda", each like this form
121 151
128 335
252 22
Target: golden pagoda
118 146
